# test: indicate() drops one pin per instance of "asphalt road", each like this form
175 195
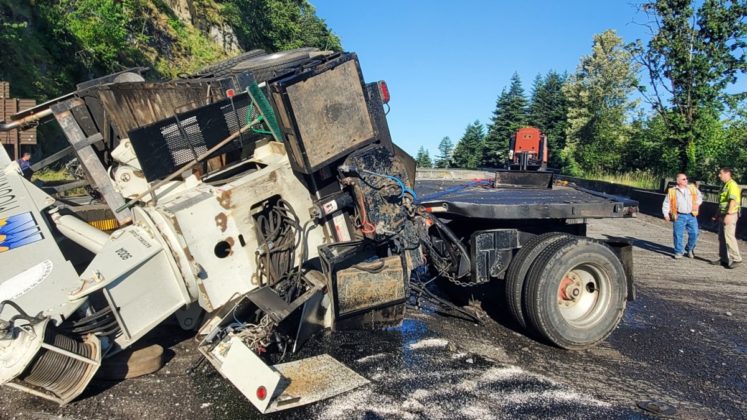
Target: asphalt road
682 343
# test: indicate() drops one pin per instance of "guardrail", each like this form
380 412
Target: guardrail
650 201
711 192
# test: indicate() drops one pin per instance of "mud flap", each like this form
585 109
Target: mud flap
623 248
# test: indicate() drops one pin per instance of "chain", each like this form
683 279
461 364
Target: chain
451 279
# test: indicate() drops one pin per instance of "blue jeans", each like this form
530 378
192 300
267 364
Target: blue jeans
685 222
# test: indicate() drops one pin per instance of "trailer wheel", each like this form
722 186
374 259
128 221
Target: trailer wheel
575 293
269 66
518 269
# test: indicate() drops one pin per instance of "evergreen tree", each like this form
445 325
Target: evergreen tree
510 114
445 150
423 158
468 152
691 59
548 110
598 105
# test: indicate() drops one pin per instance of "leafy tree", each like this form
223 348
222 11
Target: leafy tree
445 150
99 26
645 150
469 150
691 59
733 152
509 115
598 97
275 25
423 158
548 110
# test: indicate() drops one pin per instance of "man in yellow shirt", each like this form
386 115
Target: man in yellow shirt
730 202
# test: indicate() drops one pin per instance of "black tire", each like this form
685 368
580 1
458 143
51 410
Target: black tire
270 66
589 271
132 363
518 269
222 68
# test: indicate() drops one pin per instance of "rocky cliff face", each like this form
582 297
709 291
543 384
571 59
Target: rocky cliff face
48 47
206 17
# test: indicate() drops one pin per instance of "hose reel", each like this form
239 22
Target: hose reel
38 359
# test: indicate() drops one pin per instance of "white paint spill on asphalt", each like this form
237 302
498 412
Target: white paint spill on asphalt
453 389
372 358
428 343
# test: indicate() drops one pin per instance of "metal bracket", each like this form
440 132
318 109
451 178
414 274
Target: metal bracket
95 171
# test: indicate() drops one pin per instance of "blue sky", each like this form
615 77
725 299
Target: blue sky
446 61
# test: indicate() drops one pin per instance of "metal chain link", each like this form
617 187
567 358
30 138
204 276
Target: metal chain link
451 279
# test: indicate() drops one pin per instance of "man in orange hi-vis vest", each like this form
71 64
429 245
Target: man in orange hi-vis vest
681 207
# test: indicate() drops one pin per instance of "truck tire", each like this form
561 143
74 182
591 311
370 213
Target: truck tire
221 68
575 293
270 66
518 269
131 363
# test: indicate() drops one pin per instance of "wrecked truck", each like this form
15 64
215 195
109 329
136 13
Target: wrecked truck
259 202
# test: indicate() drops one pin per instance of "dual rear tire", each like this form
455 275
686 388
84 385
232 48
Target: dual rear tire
569 290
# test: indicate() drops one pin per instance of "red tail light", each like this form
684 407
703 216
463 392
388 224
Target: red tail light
383 91
261 393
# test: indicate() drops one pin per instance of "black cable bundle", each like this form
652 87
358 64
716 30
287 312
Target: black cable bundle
280 236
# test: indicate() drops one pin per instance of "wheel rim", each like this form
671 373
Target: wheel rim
584 295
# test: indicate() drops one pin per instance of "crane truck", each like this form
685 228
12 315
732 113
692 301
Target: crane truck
259 202
528 150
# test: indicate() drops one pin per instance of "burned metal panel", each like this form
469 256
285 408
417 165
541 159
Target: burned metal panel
370 284
362 282
324 113
331 113
408 163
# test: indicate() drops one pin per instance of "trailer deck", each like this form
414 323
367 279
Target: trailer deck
480 198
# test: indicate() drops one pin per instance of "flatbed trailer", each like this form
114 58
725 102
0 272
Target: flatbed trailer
483 200
527 231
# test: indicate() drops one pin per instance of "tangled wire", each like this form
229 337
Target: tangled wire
281 236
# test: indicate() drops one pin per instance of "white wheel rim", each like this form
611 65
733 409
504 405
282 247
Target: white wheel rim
583 295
